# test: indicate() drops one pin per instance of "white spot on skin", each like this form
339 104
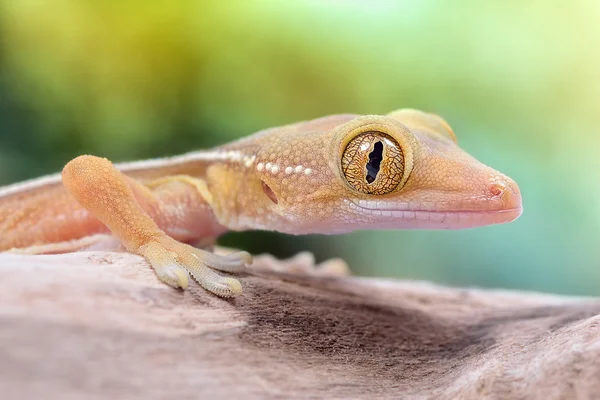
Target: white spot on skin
268 166
274 169
260 166
299 169
289 170
307 171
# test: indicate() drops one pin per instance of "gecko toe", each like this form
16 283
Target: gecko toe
228 287
165 265
174 276
233 262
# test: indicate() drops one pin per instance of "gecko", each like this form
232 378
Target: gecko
330 175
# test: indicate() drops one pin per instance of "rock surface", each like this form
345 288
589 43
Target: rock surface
100 325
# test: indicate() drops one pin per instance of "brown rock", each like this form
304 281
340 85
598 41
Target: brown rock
100 325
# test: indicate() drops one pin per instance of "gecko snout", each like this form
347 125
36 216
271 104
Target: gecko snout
507 192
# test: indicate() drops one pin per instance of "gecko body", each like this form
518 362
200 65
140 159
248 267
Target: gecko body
331 175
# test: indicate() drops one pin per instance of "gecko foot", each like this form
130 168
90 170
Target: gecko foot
173 261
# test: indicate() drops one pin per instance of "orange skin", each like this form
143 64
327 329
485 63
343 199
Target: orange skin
331 175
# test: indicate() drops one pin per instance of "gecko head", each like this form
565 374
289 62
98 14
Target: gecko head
400 171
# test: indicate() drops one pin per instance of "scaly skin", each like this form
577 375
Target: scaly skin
330 175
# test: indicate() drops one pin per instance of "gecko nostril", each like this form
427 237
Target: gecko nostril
497 189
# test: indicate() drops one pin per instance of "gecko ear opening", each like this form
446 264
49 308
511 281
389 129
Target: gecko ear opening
430 124
269 192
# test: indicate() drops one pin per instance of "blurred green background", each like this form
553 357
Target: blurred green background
518 81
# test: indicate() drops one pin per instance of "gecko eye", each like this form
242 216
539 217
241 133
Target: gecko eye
373 163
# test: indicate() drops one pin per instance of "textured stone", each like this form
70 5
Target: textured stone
100 325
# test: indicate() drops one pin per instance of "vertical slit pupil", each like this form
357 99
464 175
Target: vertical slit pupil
374 163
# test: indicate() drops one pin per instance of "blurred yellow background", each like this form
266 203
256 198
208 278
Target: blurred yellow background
518 81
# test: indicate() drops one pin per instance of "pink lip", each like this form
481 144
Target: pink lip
425 219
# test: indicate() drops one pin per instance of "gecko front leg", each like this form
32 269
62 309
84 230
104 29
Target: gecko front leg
124 205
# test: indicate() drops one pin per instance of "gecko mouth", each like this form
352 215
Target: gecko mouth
450 219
